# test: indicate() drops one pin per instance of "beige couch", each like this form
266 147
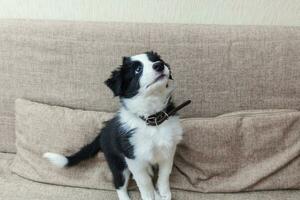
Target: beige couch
221 68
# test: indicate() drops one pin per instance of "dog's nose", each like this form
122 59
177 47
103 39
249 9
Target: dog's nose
159 66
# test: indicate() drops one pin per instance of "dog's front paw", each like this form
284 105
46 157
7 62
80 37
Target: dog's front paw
165 194
157 196
148 195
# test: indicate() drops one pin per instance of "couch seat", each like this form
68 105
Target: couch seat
13 187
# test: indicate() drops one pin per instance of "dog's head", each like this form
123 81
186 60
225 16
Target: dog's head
140 74
142 83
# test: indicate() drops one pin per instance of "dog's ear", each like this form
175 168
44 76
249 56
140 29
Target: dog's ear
125 60
115 82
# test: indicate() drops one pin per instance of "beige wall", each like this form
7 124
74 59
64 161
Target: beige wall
254 12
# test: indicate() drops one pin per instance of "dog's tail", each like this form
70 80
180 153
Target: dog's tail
88 151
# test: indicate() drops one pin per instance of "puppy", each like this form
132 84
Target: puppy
130 143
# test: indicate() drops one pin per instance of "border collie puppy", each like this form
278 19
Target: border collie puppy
130 145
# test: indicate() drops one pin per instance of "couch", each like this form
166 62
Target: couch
221 68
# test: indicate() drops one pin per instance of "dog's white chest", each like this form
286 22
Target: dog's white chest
153 144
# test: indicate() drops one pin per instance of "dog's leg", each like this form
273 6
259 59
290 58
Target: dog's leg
142 178
165 168
120 174
122 190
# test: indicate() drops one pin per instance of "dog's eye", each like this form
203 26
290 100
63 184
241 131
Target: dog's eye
138 70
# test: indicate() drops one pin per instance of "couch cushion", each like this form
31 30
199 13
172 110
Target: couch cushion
243 151
41 128
14 187
221 68
249 150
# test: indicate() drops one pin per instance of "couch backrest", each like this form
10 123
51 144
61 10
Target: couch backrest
221 68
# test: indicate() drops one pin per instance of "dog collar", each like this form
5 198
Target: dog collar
159 117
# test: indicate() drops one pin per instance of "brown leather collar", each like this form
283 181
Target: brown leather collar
159 117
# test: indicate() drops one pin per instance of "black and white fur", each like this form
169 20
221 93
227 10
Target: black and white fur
143 84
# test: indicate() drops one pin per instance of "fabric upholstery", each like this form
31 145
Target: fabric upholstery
14 187
221 68
42 128
243 151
